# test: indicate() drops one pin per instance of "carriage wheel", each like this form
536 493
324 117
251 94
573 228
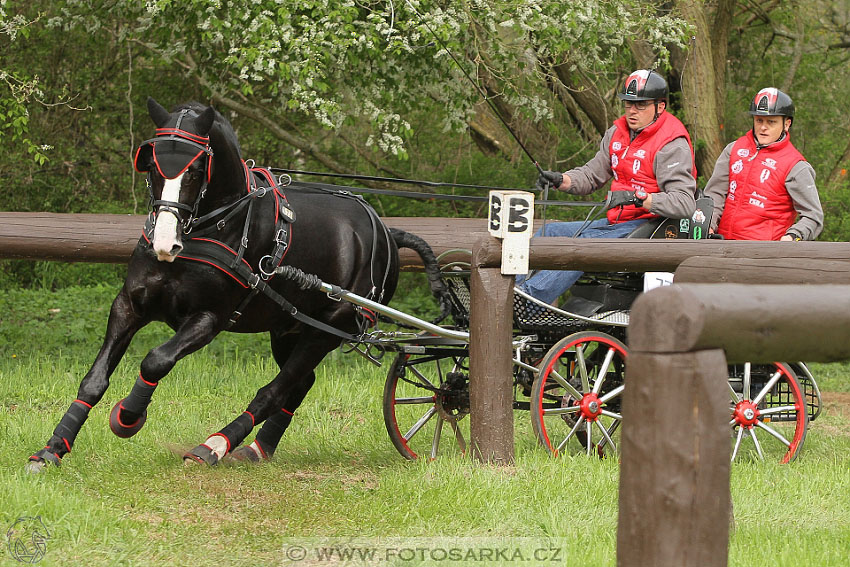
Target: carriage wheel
425 402
577 394
769 415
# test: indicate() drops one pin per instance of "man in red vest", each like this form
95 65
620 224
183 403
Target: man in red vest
649 155
762 187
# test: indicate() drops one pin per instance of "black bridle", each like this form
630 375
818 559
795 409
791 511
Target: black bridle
178 135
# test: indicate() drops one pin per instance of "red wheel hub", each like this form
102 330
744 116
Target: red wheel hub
591 407
746 413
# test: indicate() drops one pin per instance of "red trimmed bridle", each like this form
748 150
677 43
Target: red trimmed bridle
178 135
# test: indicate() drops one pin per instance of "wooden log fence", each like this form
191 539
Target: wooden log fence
674 485
674 472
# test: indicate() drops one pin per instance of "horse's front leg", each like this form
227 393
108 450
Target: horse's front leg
123 323
129 415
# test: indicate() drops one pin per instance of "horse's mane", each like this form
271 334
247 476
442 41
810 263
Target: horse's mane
221 123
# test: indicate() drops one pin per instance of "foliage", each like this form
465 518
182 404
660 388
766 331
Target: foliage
17 91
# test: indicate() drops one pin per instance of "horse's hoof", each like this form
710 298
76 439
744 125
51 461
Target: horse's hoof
124 430
246 453
40 460
200 454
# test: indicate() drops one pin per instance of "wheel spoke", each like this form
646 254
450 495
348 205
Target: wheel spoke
603 370
733 393
461 442
582 368
564 384
570 434
607 437
738 442
435 442
418 425
612 415
561 411
756 443
612 394
777 409
773 432
418 400
589 438
746 381
425 378
767 387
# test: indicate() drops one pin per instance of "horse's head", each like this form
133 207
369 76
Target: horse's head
179 163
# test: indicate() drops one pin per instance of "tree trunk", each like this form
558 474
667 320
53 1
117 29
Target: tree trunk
699 78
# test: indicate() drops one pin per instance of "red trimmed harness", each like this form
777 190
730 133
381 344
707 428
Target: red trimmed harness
205 247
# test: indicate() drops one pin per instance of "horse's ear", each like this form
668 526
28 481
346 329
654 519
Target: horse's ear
205 121
158 114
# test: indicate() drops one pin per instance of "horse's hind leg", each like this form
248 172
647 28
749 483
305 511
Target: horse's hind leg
129 414
276 401
122 325
267 439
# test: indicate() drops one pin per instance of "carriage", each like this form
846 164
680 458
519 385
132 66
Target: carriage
568 373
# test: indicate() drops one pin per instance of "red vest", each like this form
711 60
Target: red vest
758 207
632 161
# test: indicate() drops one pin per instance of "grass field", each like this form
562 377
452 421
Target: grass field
336 478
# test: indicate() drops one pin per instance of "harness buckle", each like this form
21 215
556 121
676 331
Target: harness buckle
279 237
254 281
261 192
244 242
221 224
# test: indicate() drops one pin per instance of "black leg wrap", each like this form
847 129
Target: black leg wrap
238 429
46 456
139 399
71 423
272 430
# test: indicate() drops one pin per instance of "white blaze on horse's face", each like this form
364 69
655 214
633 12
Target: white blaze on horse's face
166 233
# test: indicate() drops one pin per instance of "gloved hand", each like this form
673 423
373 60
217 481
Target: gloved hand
620 198
553 178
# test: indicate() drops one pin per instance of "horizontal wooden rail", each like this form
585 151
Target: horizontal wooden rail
703 269
112 238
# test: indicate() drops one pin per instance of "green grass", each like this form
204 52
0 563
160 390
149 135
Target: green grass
336 475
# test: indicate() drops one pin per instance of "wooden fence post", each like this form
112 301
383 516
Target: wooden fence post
491 360
674 472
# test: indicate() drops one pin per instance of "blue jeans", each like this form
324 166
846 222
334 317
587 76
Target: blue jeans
548 285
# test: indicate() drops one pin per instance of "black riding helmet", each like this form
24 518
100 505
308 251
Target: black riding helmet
644 84
772 102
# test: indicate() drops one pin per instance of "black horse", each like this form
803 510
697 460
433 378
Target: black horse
222 250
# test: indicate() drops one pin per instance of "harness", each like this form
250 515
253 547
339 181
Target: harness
205 247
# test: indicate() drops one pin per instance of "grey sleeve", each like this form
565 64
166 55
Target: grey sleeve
718 186
594 174
800 184
674 173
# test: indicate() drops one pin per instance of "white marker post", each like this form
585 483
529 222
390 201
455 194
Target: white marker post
511 219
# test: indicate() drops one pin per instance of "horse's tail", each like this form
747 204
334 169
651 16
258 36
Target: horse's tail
432 268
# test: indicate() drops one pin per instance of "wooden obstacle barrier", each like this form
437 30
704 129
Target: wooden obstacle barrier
674 495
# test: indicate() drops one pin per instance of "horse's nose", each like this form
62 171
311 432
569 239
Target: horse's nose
171 255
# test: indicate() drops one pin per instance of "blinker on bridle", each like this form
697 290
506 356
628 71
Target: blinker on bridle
176 135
